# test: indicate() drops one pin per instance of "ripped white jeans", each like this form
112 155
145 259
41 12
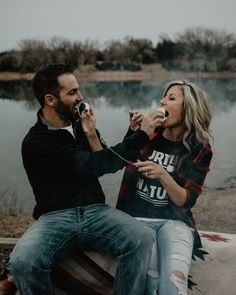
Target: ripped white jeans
171 257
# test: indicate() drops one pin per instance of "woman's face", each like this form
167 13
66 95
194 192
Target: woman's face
173 104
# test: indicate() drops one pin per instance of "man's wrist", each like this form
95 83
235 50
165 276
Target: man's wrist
132 128
91 134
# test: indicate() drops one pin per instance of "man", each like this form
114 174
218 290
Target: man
63 158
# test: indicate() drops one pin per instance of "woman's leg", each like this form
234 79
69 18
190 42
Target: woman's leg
175 244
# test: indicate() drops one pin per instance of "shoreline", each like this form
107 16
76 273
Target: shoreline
214 211
150 73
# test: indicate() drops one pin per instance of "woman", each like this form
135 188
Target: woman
165 184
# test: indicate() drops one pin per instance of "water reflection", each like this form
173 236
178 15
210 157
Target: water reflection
18 91
131 93
111 101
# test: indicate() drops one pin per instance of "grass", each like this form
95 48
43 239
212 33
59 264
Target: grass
10 204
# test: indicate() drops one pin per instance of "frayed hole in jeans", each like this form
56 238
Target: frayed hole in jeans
179 280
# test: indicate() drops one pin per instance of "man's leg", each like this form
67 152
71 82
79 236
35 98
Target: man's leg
152 274
115 233
50 239
97 227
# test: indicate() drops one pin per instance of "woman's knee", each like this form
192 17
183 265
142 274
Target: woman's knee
174 282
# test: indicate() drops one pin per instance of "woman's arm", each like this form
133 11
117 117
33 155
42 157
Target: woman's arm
186 194
151 170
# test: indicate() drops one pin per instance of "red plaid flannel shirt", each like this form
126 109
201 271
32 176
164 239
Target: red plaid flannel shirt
192 180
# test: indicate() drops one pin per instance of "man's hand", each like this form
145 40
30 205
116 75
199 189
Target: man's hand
89 123
89 126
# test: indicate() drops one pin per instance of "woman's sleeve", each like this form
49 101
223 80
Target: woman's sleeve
129 133
196 175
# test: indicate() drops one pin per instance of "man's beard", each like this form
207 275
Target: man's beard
66 112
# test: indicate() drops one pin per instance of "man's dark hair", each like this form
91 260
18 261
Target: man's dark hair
45 80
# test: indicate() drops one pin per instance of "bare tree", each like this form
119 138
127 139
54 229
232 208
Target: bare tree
205 46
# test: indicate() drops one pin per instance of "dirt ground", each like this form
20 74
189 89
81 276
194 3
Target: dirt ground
214 211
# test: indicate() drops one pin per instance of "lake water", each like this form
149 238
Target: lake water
111 102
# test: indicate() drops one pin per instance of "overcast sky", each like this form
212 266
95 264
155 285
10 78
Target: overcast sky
103 20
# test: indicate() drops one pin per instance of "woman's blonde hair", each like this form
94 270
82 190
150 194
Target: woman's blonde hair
196 113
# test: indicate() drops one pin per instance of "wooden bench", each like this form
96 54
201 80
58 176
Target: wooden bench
91 273
84 272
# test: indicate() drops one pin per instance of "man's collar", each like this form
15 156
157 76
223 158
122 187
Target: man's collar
46 122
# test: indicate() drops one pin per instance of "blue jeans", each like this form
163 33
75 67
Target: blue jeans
56 235
170 259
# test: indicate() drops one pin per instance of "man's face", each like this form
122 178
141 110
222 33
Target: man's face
69 97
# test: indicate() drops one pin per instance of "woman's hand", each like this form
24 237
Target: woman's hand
135 119
150 169
152 120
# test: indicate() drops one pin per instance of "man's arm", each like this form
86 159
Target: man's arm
44 154
89 127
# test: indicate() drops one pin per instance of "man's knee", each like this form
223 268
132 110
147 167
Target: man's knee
139 237
148 237
18 264
147 232
25 260
144 237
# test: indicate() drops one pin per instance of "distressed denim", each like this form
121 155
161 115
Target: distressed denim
171 253
56 235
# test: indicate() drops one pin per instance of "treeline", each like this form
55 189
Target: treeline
196 49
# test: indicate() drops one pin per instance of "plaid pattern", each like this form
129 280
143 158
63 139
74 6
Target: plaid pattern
192 177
